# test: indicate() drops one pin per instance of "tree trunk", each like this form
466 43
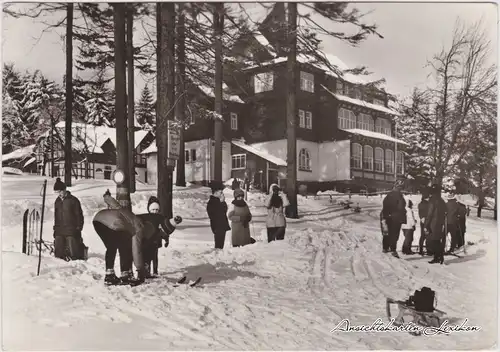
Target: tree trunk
181 94
122 158
495 207
291 113
68 150
131 95
165 101
51 148
218 131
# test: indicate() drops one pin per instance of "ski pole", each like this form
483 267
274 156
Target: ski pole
41 228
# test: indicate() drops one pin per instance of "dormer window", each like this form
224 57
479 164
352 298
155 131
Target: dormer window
358 94
307 81
340 87
263 82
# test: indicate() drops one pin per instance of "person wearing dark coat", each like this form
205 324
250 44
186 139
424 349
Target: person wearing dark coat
434 224
453 226
423 208
150 246
68 224
217 212
123 231
276 204
462 225
240 217
394 213
235 184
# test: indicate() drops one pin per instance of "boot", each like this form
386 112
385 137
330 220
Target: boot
127 277
395 254
110 278
437 259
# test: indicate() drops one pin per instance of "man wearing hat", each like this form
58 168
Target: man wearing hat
434 224
68 224
217 212
394 214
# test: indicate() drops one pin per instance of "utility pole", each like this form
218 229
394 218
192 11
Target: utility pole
68 150
130 95
122 158
218 24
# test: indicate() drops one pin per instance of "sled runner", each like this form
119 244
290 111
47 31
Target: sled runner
418 309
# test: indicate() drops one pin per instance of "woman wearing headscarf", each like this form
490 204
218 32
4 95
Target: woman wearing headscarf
276 202
240 217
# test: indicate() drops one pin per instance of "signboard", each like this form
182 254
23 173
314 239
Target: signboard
174 143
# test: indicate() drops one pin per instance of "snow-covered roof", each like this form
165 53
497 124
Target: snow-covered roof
151 149
375 135
360 102
211 93
19 153
260 153
87 137
334 61
264 42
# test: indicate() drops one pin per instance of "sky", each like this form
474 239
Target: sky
413 33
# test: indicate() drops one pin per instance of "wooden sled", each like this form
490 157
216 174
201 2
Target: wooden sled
424 319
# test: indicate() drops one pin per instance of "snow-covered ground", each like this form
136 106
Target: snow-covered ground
286 295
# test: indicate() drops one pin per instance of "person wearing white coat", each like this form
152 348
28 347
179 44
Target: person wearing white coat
409 228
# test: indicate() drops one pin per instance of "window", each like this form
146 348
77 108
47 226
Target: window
305 119
383 126
389 161
238 161
356 155
347 89
304 160
368 158
234 121
263 82
190 155
399 163
379 159
340 87
358 94
347 119
378 102
307 81
365 122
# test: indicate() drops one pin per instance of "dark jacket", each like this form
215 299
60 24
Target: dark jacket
394 207
157 220
452 208
217 213
68 216
435 219
462 216
240 217
423 208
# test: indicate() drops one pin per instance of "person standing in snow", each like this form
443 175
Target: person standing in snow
394 213
276 202
240 217
455 221
68 224
217 212
423 208
434 224
121 230
409 228
462 223
150 246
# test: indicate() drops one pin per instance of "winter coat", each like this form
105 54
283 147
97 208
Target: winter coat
128 224
157 220
68 216
462 216
240 217
435 219
423 208
276 216
411 222
394 207
453 210
235 184
217 213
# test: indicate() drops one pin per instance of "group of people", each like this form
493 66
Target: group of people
437 219
137 238
240 216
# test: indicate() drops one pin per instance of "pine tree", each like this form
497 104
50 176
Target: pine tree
99 103
145 112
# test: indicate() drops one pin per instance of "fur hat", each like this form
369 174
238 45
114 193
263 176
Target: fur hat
152 200
238 193
216 186
59 185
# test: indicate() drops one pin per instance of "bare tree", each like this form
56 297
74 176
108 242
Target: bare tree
450 114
